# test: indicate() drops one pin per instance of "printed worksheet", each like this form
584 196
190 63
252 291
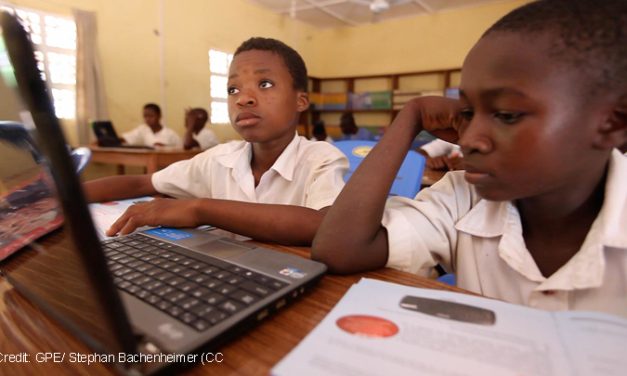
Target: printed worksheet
104 214
381 328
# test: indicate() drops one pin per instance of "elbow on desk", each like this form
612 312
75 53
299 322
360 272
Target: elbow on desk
333 256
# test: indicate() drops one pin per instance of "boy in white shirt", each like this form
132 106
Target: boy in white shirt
274 186
539 216
197 135
152 133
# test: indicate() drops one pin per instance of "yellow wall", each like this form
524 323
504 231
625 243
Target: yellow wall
419 43
139 37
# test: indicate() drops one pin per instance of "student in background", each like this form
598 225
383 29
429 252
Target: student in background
197 135
319 132
538 218
351 131
442 155
273 186
152 133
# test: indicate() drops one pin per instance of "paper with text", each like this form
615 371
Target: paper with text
380 328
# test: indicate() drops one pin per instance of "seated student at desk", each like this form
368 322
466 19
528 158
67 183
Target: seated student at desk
274 186
319 132
538 218
350 130
197 135
152 133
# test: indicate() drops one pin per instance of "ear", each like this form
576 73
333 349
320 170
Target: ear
613 132
302 101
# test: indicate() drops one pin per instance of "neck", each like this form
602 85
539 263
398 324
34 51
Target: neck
578 202
156 128
556 225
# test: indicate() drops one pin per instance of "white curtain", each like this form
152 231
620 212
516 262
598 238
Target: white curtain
91 103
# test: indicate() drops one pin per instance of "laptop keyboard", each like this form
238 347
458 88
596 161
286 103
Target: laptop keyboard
198 293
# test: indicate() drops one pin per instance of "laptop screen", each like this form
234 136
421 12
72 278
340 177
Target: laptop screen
63 271
28 207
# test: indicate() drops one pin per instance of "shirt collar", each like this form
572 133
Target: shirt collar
286 163
240 157
613 215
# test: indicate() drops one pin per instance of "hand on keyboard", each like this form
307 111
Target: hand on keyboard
158 212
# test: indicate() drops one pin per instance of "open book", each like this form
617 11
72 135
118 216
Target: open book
381 328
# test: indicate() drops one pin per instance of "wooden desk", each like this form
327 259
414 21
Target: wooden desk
27 330
152 160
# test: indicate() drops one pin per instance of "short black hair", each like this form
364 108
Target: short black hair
201 110
588 35
153 106
294 62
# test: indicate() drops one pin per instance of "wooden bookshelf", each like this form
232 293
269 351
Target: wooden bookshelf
407 85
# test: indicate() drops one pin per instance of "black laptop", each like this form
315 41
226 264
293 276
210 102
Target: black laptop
106 136
152 296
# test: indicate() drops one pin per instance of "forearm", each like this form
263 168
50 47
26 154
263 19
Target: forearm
351 237
284 224
188 141
118 187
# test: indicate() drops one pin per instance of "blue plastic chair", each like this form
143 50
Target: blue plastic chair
80 157
408 178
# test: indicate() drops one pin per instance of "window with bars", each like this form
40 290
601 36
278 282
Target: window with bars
219 68
54 38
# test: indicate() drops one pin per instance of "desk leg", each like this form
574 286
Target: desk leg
120 169
152 165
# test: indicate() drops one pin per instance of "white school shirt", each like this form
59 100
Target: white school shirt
206 138
482 242
144 136
306 174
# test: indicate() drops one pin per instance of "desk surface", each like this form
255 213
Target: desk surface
25 329
152 160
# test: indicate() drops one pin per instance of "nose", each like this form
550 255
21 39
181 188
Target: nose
246 99
475 137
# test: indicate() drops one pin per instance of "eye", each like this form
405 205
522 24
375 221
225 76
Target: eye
232 90
266 84
507 117
467 114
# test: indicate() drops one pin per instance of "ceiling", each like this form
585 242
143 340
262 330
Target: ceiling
339 13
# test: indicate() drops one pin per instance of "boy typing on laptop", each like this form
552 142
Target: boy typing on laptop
538 218
272 186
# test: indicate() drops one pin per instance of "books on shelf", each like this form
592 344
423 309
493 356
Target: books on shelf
328 101
401 97
371 100
381 328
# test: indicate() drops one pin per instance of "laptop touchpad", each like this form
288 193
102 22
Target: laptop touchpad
221 249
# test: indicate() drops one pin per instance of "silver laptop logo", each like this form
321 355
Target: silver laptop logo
170 331
293 273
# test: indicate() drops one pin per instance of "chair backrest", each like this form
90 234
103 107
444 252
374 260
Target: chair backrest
408 178
80 157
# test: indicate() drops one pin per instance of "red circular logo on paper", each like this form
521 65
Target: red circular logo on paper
368 326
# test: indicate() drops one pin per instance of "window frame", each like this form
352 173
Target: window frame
46 50
219 114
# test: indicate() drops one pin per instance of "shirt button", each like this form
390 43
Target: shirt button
548 292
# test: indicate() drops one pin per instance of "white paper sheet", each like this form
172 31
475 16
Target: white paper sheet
369 333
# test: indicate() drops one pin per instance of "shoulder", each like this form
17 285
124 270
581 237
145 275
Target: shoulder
225 149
